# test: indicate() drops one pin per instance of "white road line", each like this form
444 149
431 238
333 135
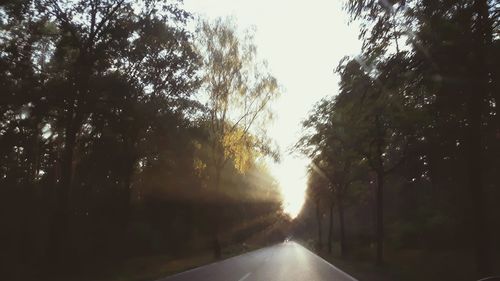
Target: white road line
245 276
215 263
323 260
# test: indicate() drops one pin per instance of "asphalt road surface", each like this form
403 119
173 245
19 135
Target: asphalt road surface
287 261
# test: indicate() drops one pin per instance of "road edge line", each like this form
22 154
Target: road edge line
245 276
325 261
213 263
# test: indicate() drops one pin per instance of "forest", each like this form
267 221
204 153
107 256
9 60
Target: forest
123 133
133 130
405 159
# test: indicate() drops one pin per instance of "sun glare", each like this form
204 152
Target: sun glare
277 24
291 178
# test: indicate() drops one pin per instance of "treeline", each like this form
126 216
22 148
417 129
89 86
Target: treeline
407 154
122 134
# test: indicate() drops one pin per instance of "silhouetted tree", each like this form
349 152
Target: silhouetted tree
441 36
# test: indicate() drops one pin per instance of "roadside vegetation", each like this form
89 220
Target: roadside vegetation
133 142
405 158
129 142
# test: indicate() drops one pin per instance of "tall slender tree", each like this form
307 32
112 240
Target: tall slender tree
239 91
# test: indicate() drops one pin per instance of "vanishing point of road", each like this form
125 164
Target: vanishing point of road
287 261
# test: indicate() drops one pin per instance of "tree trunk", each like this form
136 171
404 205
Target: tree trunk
330 228
477 92
127 191
475 188
340 204
380 217
59 228
379 196
318 219
216 246
131 149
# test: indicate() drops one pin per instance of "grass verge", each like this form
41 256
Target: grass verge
155 267
405 264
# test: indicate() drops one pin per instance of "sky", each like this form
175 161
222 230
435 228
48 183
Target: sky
303 42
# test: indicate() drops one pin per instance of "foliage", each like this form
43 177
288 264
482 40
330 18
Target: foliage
417 108
238 90
103 138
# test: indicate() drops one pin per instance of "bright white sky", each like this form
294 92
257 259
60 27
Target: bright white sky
303 41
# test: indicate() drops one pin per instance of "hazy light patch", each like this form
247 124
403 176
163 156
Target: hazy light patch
291 175
303 44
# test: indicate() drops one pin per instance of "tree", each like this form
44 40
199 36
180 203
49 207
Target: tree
317 191
103 144
238 91
78 52
383 123
330 144
434 30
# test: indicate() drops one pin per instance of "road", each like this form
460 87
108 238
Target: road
287 261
